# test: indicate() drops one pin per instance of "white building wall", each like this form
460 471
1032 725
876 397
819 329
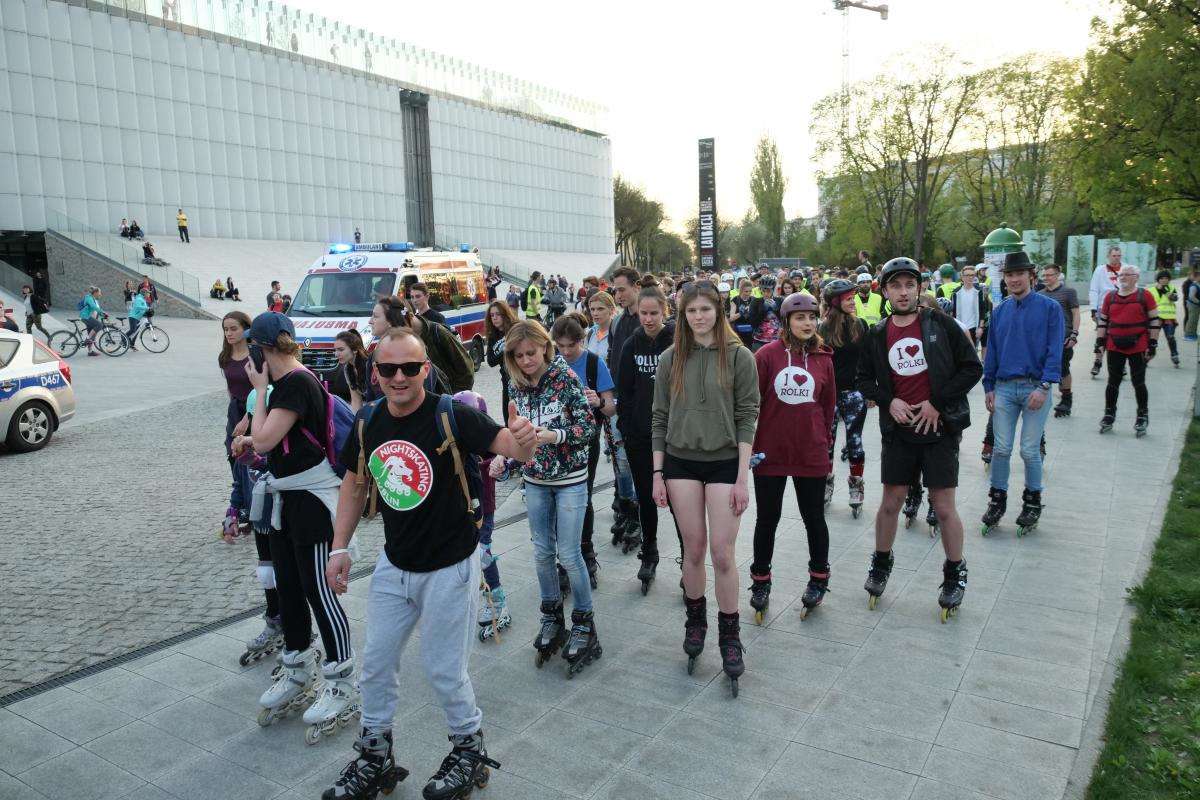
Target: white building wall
504 181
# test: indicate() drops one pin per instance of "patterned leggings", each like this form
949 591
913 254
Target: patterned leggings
851 408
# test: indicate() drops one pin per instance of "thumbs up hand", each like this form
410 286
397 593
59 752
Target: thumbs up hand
521 428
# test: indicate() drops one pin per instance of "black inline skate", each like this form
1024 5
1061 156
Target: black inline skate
1063 409
729 642
593 566
1031 512
877 576
1106 422
552 634
931 519
647 570
1141 424
584 646
997 505
619 517
986 455
564 580
1096 367
954 586
912 505
464 769
814 593
632 538
760 595
374 770
694 629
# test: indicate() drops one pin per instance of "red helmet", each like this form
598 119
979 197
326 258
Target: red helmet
800 301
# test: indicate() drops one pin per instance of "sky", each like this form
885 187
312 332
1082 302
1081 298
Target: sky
672 72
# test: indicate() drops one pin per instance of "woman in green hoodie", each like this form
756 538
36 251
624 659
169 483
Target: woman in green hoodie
705 409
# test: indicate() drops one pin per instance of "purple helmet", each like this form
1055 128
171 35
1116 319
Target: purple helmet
472 399
798 302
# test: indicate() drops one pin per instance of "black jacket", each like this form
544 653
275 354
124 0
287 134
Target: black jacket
635 387
618 333
953 370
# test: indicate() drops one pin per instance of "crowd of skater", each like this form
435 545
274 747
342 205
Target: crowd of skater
692 389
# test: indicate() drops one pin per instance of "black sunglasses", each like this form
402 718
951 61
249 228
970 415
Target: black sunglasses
411 369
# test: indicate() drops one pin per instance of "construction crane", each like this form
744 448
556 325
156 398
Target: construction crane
844 6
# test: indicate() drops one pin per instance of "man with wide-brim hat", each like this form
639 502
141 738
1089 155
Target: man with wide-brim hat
1023 362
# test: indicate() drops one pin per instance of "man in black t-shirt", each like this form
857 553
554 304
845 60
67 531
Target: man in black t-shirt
429 573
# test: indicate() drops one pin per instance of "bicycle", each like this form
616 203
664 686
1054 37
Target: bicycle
111 340
149 336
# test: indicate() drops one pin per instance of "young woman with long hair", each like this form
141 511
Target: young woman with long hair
232 360
352 358
846 335
552 398
795 381
496 322
705 407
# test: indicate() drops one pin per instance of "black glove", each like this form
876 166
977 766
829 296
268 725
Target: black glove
1099 348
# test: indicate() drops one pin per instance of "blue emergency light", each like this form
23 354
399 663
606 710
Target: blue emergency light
464 247
375 247
339 248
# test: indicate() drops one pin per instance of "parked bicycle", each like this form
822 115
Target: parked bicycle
149 336
111 340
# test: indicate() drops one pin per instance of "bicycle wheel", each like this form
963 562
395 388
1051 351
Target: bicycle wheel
65 343
112 342
154 339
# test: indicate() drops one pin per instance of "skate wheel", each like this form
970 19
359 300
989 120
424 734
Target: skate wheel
945 615
758 617
803 612
540 658
244 659
691 664
312 734
570 671
733 686
872 601
265 717
933 531
482 777
908 522
985 531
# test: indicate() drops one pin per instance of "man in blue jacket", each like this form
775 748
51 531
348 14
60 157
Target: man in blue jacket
1023 362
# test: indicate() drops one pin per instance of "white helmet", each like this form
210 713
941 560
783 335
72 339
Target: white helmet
726 276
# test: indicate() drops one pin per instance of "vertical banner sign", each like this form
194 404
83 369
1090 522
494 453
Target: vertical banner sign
708 207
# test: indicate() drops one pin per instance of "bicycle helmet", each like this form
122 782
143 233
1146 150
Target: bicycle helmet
946 271
766 282
472 400
836 288
899 266
799 301
944 304
864 270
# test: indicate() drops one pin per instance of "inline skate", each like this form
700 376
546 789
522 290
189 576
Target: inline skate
269 641
856 495
760 595
552 634
877 576
954 586
647 570
493 614
336 704
997 505
583 647
694 630
1141 424
729 642
912 505
931 519
593 566
293 688
1063 409
464 769
829 484
1106 422
632 538
986 455
814 593
373 770
619 519
1096 367
1031 512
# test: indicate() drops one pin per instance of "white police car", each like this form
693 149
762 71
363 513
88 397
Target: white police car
35 392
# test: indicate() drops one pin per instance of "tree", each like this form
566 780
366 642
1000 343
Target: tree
635 218
1135 131
767 186
667 250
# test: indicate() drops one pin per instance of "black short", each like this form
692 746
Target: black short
902 462
685 469
1068 354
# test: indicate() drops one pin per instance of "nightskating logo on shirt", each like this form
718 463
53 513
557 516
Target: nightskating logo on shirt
794 386
403 474
907 357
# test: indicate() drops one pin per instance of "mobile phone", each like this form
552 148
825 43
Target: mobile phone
256 356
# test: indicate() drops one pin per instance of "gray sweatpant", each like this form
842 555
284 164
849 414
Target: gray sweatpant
444 603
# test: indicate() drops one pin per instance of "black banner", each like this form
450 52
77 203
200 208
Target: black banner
708 207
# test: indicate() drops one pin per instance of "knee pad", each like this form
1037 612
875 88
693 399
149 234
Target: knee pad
266 575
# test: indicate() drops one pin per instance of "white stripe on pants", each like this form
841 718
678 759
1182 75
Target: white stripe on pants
444 604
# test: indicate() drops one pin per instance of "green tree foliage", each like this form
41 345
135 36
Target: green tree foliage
767 186
640 237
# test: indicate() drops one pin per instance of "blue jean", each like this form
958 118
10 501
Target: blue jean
624 477
1011 403
556 529
491 572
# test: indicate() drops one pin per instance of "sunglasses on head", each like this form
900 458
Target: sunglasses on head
411 369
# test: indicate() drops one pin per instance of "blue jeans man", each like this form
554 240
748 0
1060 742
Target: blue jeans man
1011 405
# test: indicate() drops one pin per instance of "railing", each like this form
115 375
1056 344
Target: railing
277 25
109 245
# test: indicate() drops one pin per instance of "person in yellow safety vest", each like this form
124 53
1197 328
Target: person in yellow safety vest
1165 295
948 284
532 298
867 305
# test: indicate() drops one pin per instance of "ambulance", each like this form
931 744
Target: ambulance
342 286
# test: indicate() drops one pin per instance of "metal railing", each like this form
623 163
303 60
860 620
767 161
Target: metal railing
110 245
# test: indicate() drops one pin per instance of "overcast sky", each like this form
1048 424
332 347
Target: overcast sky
671 72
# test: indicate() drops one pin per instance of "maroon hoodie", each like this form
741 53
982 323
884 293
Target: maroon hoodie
796 416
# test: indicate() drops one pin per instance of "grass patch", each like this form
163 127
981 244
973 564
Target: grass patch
1152 733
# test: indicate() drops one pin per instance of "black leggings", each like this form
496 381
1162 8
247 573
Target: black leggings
262 543
300 579
589 515
641 468
810 497
1116 373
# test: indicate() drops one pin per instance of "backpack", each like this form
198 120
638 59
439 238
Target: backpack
339 421
80 306
1127 340
440 331
525 299
470 480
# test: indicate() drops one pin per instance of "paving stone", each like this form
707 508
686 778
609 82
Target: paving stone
80 775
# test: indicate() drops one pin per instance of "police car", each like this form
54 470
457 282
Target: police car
35 392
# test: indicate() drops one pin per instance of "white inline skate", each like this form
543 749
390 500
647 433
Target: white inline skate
338 701
293 687
493 614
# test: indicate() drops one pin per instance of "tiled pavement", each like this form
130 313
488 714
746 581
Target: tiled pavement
999 703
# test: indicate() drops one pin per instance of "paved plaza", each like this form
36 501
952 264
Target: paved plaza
1005 701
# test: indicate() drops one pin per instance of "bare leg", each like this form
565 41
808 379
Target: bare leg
949 521
885 517
723 530
687 501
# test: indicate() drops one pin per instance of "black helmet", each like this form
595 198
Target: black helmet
835 288
899 266
767 282
863 269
